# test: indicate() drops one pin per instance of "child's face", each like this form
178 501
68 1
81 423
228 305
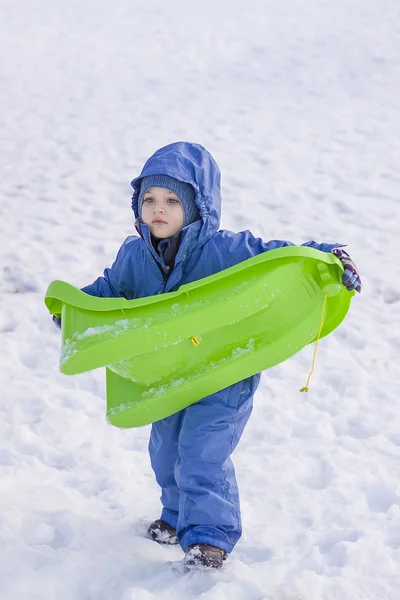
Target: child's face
162 212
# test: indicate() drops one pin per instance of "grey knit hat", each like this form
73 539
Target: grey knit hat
184 191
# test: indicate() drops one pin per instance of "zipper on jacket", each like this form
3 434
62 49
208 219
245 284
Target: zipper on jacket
165 275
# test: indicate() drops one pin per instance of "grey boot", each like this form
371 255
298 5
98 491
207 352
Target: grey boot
204 555
161 532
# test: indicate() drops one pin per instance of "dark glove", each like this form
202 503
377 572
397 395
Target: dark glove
350 278
57 321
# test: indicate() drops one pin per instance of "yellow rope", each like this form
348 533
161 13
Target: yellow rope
305 388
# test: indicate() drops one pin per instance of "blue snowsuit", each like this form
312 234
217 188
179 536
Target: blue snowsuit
190 450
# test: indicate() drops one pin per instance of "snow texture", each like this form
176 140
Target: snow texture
299 104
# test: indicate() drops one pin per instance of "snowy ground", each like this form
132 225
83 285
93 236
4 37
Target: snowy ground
299 104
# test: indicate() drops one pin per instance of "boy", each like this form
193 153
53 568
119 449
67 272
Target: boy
176 202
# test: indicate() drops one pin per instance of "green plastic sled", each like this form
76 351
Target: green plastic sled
166 352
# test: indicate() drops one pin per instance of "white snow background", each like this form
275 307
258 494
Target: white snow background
298 101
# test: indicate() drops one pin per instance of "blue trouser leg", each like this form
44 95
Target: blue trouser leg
163 449
209 509
190 455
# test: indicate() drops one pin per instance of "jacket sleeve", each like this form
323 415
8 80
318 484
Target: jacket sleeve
243 245
108 286
324 247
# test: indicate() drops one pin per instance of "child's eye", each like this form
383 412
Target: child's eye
172 200
148 199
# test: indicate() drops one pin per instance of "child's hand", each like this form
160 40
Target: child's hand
350 278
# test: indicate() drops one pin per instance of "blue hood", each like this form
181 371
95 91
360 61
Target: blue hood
192 164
